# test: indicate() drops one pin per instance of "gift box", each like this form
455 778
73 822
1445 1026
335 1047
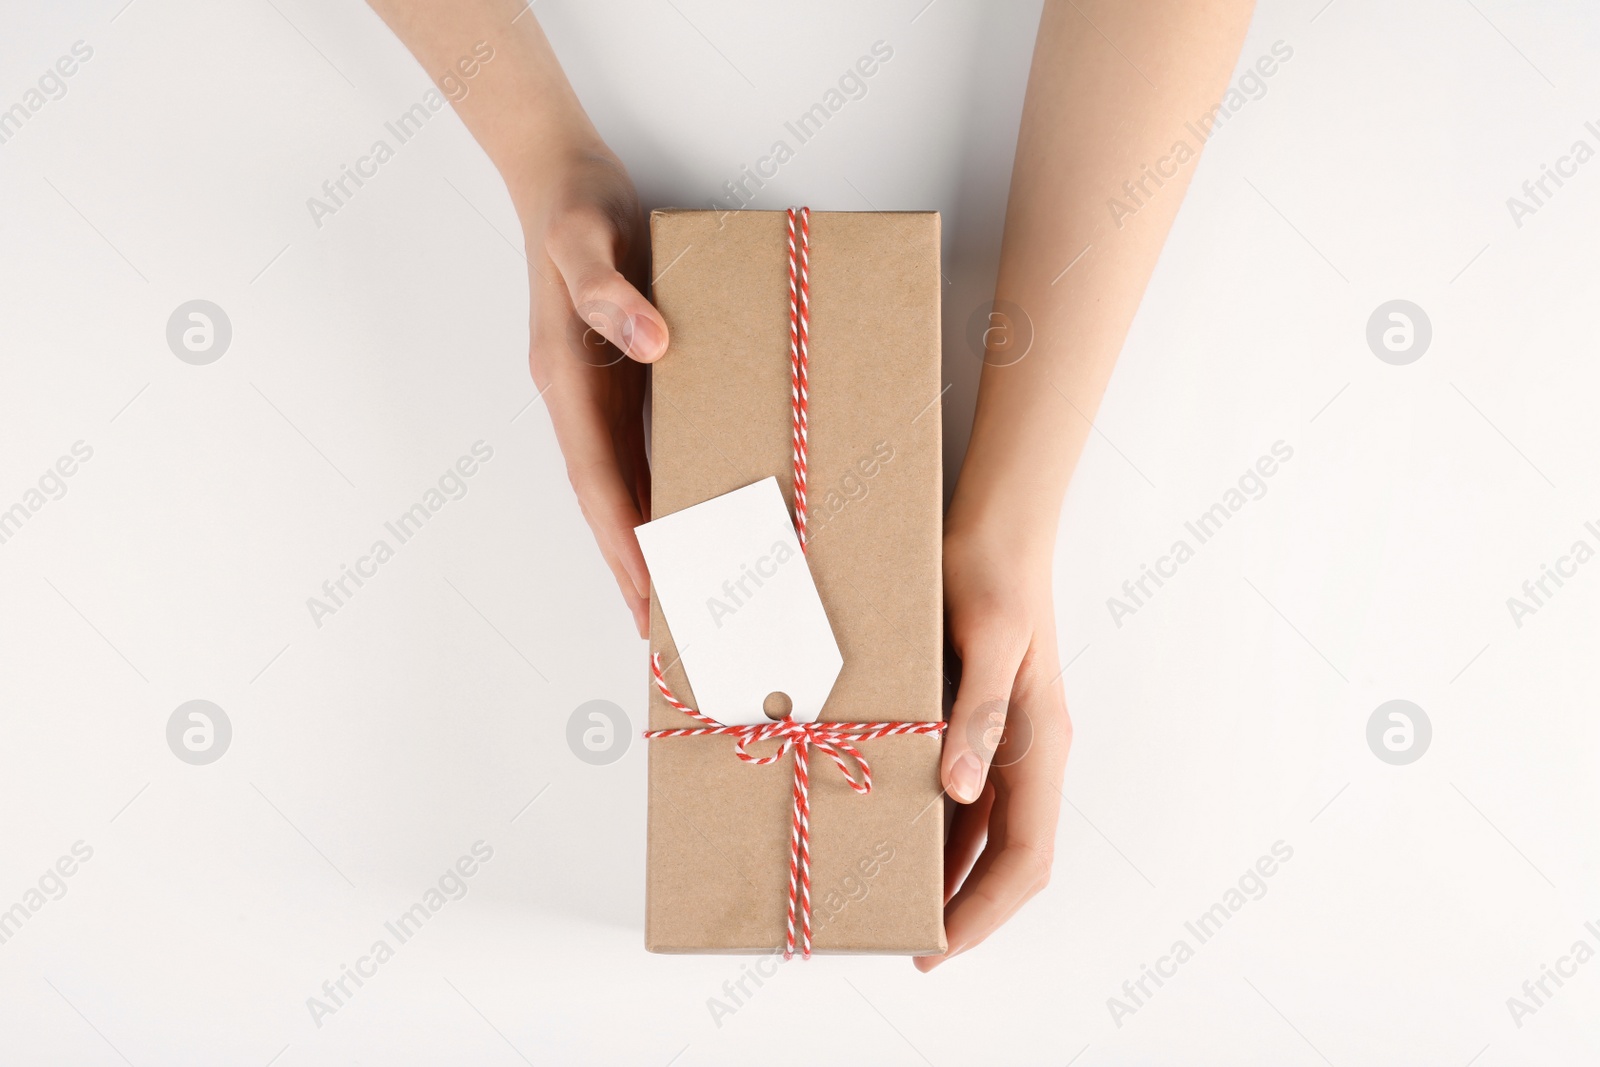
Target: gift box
723 410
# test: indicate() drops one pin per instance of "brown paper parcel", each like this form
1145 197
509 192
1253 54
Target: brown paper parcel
719 828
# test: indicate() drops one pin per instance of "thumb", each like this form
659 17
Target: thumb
990 659
583 246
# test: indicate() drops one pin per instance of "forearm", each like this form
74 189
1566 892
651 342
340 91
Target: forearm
1072 259
518 103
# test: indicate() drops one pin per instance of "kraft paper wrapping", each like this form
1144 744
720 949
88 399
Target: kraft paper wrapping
718 850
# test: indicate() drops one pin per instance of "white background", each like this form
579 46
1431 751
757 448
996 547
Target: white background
371 752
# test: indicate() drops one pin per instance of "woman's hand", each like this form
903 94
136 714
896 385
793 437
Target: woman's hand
590 327
1090 119
1006 750
590 332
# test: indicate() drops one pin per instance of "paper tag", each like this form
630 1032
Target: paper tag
742 606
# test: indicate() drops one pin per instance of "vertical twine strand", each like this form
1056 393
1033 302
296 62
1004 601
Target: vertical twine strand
800 355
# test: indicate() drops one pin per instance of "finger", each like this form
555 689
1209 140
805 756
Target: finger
990 658
969 828
1012 868
604 493
583 246
612 517
641 481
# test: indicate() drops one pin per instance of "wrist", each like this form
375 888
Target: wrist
551 165
1021 539
1006 512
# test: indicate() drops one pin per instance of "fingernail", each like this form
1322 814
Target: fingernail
642 338
966 778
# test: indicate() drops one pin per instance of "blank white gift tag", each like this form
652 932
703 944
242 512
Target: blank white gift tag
742 606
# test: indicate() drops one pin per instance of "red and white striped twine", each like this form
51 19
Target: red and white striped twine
837 740
800 357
